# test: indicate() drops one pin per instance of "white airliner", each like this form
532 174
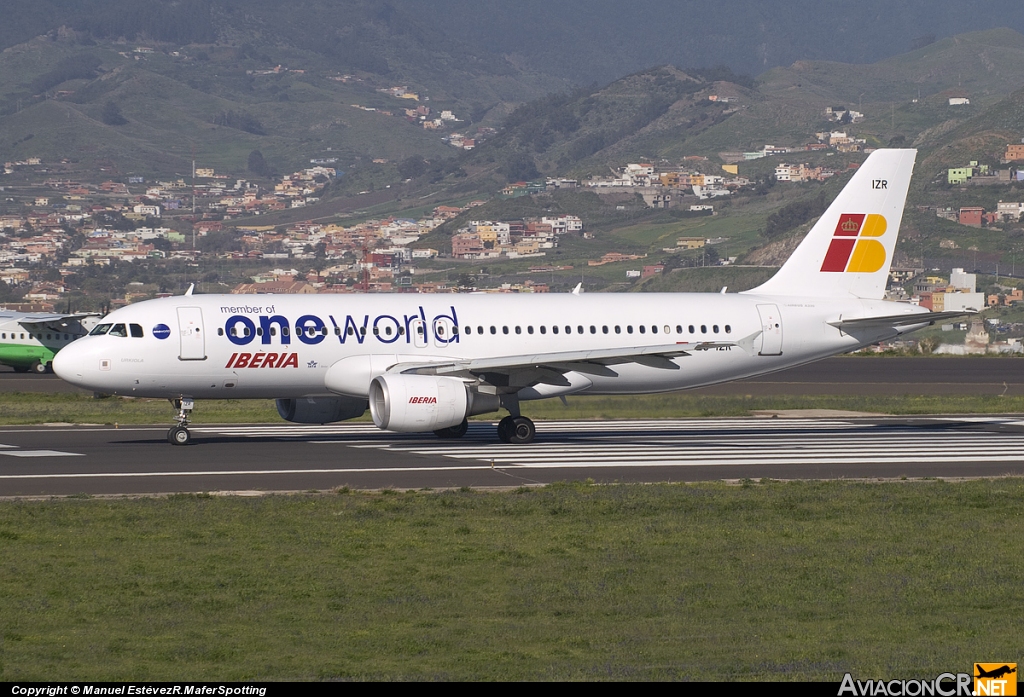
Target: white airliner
426 362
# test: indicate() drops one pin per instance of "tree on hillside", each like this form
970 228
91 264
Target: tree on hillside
412 167
519 167
257 165
111 115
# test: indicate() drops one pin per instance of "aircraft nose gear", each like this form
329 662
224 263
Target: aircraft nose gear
517 430
179 434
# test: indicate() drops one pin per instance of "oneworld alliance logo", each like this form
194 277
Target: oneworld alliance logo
161 331
852 249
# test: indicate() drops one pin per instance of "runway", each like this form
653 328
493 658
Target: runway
43 461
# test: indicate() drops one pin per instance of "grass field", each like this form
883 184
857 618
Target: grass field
769 581
33 408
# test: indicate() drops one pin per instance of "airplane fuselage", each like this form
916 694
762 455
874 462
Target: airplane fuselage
282 346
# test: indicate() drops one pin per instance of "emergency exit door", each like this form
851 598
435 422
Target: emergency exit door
191 334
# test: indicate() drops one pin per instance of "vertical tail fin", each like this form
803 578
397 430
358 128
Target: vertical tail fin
849 250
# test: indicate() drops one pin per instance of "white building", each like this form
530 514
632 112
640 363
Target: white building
959 279
563 224
1010 210
143 209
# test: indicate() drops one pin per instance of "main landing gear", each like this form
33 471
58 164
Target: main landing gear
517 430
179 434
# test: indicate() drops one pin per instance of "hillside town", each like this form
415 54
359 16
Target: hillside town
68 227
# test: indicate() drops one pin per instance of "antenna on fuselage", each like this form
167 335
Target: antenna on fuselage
578 289
191 287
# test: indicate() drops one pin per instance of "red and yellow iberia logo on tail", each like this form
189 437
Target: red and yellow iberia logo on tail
852 250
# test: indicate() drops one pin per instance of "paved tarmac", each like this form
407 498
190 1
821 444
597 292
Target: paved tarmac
44 461
842 375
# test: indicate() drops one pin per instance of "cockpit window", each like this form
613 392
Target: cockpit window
118 330
136 330
100 330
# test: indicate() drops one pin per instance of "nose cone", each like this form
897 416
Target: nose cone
70 364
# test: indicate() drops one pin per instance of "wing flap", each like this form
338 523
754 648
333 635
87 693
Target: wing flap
590 361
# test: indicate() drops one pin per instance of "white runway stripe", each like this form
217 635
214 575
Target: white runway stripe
683 443
578 446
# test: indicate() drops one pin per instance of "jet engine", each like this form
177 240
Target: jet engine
419 403
320 410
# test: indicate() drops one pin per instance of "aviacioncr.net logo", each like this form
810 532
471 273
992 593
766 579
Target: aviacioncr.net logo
995 679
945 685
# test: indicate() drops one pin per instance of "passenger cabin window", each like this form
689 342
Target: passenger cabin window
136 330
98 330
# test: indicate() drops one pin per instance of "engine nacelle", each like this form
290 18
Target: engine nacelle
320 410
418 403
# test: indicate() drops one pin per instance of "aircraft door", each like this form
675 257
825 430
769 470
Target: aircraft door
444 332
418 330
192 334
771 330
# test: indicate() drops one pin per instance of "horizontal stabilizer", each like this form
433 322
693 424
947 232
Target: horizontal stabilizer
897 320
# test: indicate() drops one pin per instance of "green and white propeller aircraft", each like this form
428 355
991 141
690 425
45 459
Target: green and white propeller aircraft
30 340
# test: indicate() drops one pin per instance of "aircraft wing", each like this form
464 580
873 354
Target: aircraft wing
590 361
49 319
896 320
